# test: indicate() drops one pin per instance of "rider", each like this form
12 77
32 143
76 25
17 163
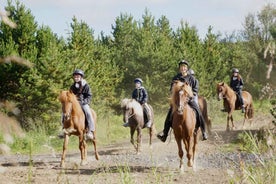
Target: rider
140 95
84 95
185 77
196 88
236 83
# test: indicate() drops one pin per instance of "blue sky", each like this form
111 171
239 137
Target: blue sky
224 16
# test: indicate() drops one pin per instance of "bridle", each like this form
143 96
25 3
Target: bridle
128 114
220 93
67 115
182 102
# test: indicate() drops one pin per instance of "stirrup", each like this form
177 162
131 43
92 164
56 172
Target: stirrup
148 124
126 124
162 137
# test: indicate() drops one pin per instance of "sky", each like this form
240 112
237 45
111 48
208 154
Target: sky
225 16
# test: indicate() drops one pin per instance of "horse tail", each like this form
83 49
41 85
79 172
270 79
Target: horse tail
250 111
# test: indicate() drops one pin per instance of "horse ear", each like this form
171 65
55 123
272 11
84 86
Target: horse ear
222 84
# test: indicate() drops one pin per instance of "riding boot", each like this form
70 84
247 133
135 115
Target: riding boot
167 125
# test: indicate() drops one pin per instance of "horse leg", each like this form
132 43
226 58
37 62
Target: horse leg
94 141
82 147
139 139
151 132
189 150
132 130
180 153
194 149
65 144
228 127
245 116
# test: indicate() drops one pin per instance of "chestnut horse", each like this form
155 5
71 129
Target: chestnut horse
184 122
231 103
74 124
203 106
133 113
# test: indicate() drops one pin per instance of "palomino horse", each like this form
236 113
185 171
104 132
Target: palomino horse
133 113
231 103
203 106
184 122
74 124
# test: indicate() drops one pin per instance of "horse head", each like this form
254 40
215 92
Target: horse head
65 98
221 90
127 108
182 92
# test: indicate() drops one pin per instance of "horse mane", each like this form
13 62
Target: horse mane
132 103
69 96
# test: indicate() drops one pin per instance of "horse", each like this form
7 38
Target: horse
133 113
203 106
184 122
231 103
74 124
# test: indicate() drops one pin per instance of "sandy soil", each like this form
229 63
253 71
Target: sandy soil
120 164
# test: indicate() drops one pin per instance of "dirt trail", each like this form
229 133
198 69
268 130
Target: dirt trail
120 164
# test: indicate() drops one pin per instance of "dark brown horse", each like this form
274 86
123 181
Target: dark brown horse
184 122
231 103
74 124
133 113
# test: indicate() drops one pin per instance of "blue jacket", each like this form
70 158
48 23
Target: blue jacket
140 95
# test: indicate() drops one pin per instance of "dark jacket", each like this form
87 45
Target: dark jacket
83 92
140 95
190 79
236 83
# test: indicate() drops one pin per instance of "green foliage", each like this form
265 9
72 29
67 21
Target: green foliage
148 48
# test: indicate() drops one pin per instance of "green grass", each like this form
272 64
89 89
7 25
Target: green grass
110 129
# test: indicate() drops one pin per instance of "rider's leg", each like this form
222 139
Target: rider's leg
91 123
167 125
200 120
241 100
148 113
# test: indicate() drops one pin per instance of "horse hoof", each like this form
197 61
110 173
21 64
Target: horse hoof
83 162
190 164
97 156
62 165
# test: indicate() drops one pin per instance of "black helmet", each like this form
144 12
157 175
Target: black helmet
138 80
191 72
183 62
235 70
78 71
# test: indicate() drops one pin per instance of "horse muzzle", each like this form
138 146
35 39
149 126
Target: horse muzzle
180 110
66 117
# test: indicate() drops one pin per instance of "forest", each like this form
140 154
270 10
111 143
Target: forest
147 48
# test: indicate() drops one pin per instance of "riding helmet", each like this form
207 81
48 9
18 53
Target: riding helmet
138 80
191 72
235 70
183 62
79 72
